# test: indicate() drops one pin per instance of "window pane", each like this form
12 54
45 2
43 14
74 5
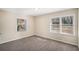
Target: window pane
55 21
21 25
67 24
55 24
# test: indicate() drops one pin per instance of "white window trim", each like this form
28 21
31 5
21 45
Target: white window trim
53 31
60 31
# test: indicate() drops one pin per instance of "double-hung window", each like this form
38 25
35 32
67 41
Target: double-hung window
63 25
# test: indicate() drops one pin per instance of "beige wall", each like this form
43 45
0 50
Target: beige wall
8 27
38 25
42 27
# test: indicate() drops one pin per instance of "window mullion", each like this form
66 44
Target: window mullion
60 25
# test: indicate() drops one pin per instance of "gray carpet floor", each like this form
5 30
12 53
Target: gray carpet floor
36 43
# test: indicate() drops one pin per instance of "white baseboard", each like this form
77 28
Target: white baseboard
37 35
56 39
15 39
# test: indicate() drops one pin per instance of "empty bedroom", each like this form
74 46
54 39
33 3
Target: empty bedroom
39 29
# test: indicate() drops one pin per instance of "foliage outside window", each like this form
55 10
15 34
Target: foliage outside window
64 25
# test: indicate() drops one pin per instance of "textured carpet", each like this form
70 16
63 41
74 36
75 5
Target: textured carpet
36 43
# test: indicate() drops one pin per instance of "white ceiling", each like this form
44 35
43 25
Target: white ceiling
32 11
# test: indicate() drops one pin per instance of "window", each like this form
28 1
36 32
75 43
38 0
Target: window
67 24
63 24
21 24
55 24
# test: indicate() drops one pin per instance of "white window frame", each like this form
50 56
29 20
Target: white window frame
60 24
51 27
